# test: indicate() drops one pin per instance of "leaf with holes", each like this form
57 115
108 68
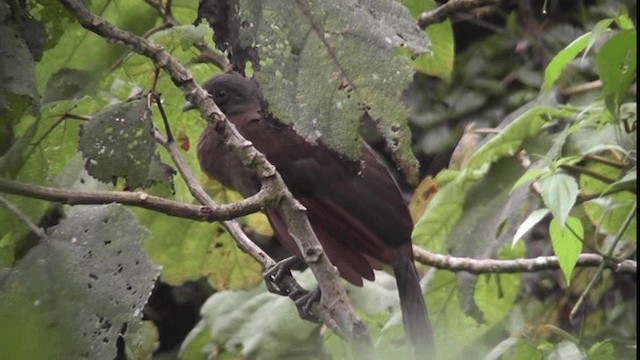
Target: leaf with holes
119 142
315 68
76 293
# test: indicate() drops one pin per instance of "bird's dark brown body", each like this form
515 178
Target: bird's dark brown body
357 212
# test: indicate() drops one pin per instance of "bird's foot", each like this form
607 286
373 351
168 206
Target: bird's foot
277 278
305 302
280 281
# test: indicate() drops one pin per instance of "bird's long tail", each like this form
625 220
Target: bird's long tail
414 311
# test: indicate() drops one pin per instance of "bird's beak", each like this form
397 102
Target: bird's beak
188 106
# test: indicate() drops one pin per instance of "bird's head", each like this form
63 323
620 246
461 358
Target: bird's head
233 93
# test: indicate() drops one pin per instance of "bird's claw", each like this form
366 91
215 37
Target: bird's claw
304 303
280 281
277 277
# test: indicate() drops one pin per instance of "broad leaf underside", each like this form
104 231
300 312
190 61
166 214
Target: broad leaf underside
314 68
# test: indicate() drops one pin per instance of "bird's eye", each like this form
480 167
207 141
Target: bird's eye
221 94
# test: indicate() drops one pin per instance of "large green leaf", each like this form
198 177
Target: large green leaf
608 213
77 292
189 250
325 64
70 50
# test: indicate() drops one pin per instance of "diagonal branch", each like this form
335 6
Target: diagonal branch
339 314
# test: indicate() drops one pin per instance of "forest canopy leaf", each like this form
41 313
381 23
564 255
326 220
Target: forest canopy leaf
609 213
448 204
67 84
206 250
562 59
534 218
315 68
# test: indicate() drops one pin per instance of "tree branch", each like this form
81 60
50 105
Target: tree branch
539 263
201 195
339 315
448 9
139 199
247 206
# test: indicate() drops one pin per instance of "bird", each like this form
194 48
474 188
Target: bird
356 211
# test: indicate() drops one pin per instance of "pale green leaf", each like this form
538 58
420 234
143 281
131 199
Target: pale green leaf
528 224
254 324
559 192
625 22
510 139
562 59
567 243
601 350
609 213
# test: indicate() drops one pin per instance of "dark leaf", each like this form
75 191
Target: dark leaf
119 142
68 84
18 92
617 63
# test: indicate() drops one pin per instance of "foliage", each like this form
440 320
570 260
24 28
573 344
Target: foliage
86 285
554 155
558 169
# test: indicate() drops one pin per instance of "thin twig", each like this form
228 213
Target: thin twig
23 218
607 161
630 217
588 172
450 8
593 85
